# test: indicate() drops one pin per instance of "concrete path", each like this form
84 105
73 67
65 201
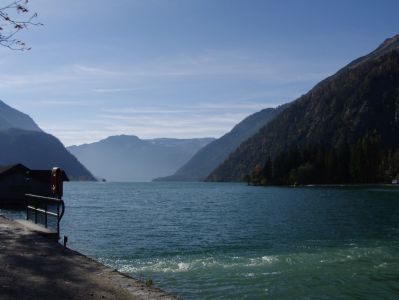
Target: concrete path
33 267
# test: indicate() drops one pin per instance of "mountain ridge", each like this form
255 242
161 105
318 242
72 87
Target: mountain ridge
129 158
39 150
22 141
12 118
353 110
213 154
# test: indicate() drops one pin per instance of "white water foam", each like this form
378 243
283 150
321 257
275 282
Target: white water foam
176 264
270 259
183 266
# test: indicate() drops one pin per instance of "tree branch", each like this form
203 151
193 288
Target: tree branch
10 25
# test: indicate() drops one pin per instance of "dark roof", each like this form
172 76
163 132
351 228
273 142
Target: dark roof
17 167
41 175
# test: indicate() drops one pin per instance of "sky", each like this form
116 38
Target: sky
180 68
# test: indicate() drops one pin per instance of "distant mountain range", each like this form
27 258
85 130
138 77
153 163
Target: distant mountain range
22 141
128 158
213 154
344 130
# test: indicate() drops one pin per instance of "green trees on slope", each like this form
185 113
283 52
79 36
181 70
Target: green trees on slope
364 162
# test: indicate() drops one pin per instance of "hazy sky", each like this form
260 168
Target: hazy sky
180 68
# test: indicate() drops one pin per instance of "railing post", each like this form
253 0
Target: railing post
36 212
58 220
45 215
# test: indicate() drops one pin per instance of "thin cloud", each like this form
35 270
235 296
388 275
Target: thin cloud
144 126
147 110
71 103
95 71
169 96
234 106
218 66
117 90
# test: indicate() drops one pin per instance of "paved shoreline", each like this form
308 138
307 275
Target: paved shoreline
33 267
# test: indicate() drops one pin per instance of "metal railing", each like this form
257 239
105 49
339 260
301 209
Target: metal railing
46 206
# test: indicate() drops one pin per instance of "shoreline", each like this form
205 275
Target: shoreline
377 185
34 267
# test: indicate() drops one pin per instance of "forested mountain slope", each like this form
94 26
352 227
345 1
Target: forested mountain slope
345 130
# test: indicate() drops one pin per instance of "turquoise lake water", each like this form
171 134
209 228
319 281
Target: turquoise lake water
231 241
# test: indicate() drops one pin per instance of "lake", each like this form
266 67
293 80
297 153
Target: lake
225 241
